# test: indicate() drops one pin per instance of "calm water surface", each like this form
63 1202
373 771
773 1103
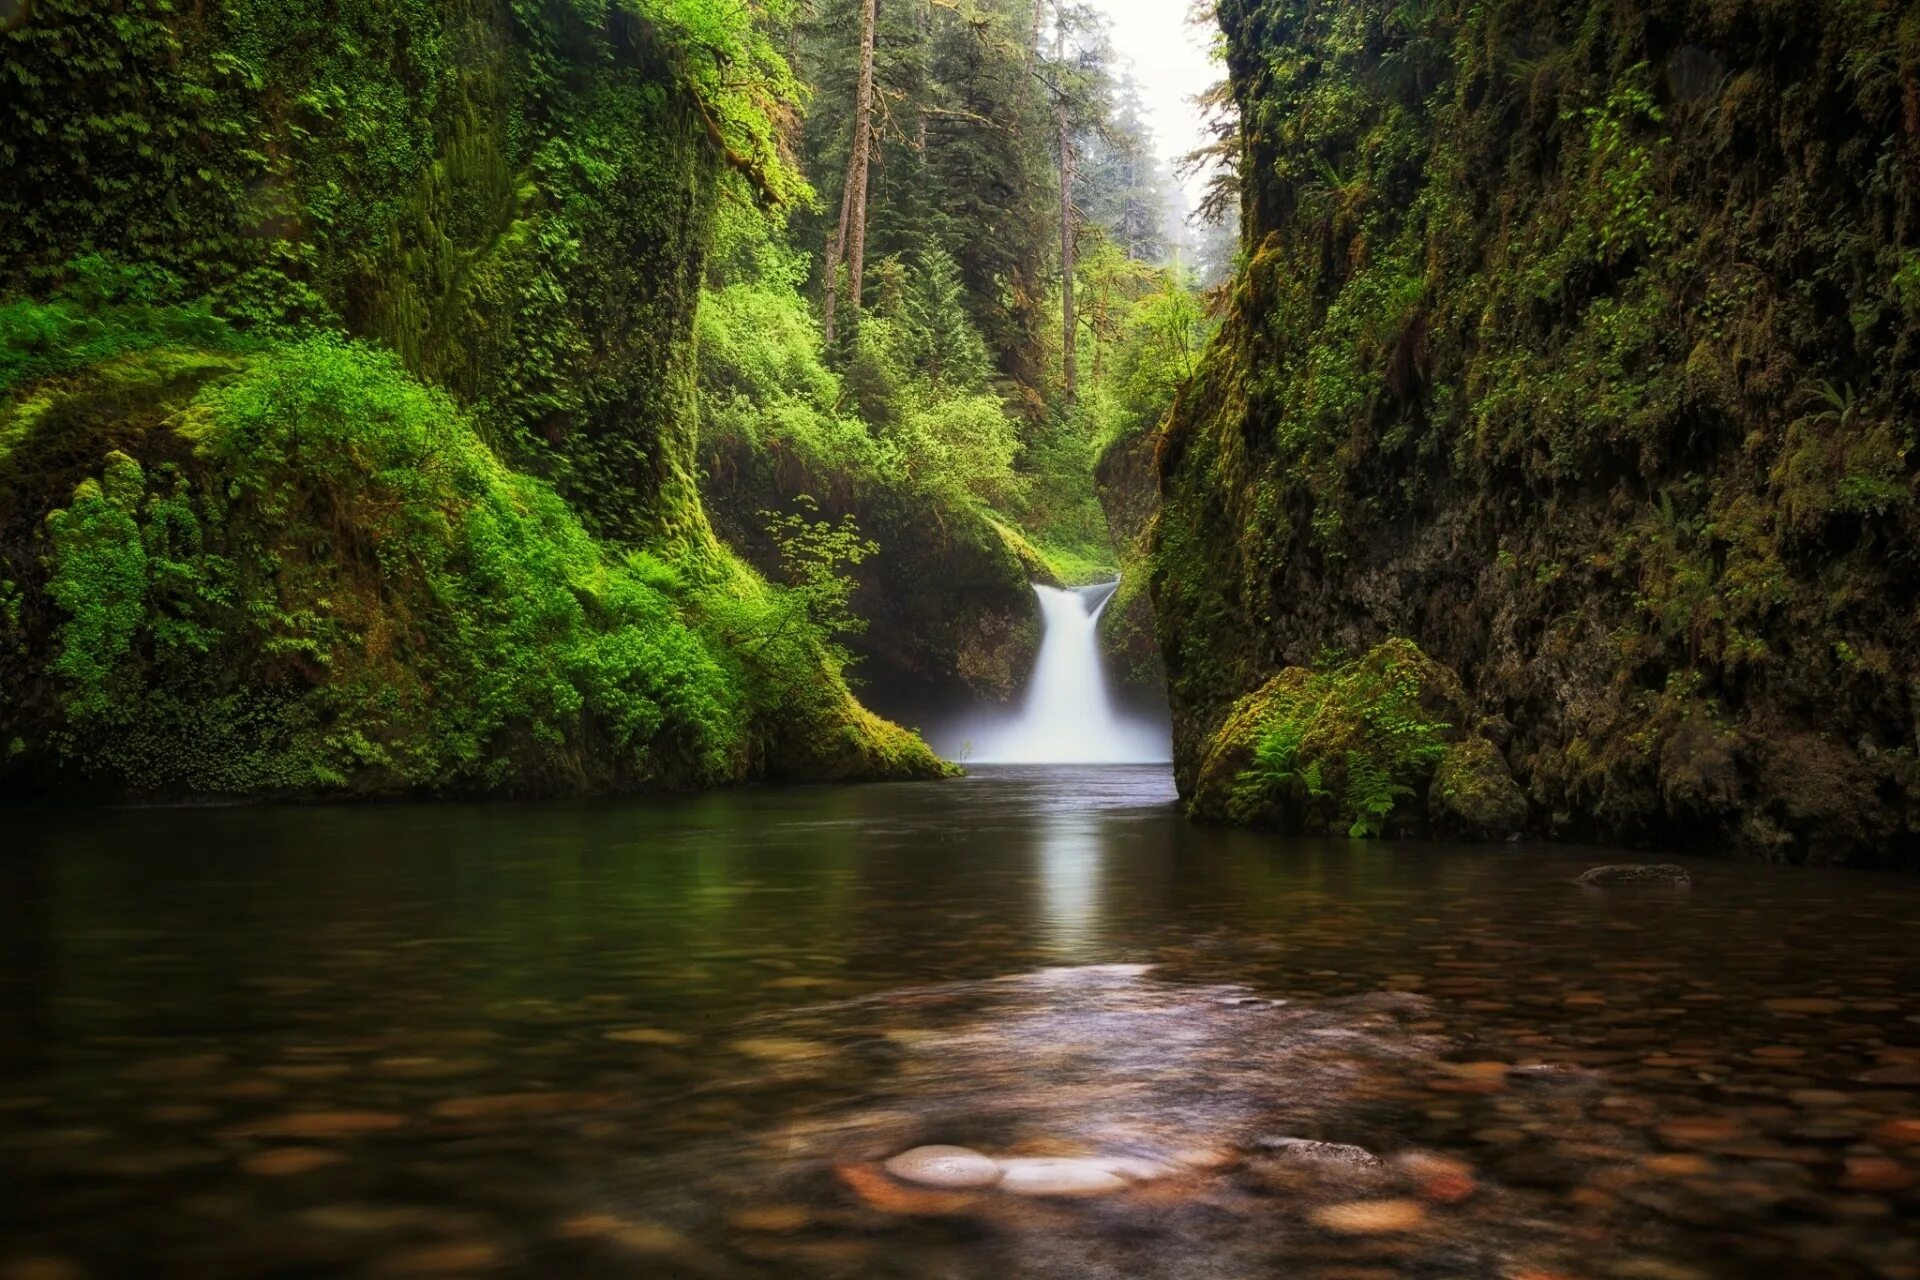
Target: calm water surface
679 1039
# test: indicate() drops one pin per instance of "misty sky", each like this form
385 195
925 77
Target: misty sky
1169 57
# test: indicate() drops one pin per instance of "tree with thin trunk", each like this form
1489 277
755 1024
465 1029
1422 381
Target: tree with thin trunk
1069 356
851 238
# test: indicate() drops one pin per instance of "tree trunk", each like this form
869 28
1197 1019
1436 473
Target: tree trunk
1033 42
1069 356
836 250
860 162
924 21
850 238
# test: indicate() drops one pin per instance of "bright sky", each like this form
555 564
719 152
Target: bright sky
1169 57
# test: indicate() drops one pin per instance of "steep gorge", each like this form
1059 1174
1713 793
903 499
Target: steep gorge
1577 344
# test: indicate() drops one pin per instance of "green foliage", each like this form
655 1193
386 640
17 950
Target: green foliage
104 309
815 557
1341 745
354 569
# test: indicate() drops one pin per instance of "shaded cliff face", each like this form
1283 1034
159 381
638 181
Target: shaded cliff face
1580 345
947 598
1129 491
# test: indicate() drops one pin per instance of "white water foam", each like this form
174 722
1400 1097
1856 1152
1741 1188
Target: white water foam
1069 716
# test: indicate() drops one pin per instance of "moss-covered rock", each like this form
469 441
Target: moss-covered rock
1351 747
1577 343
1474 794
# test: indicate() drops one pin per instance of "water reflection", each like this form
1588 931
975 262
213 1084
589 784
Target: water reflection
1070 875
678 1039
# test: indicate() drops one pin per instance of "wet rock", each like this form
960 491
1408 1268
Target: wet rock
1474 794
1438 1179
1059 1176
1876 1173
1370 1217
319 1124
783 1049
520 1106
653 1036
773 1219
455 1258
951 1168
878 1191
1307 1151
1625 873
288 1162
1899 1132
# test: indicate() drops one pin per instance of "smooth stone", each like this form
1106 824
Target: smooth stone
1059 1176
950 1168
289 1162
320 1124
652 1036
1370 1217
520 1106
1635 873
455 1258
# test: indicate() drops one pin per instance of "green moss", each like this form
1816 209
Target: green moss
1343 747
320 580
1473 793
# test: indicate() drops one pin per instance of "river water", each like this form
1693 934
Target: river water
667 1039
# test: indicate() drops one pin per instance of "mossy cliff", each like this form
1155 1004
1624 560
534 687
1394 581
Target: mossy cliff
1579 345
1129 496
947 598
346 436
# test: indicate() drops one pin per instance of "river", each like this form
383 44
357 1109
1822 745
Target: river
682 1038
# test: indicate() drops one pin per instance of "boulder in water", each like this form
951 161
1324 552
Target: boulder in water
953 1168
1662 873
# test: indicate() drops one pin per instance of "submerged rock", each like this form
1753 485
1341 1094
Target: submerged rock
1308 1151
1059 1176
1370 1217
953 1168
1635 873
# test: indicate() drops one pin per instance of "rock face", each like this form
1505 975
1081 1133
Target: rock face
1635 873
948 598
1589 372
1128 486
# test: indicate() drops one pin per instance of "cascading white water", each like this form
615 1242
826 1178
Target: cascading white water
1068 716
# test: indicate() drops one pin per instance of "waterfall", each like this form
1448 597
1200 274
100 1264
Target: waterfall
1068 716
